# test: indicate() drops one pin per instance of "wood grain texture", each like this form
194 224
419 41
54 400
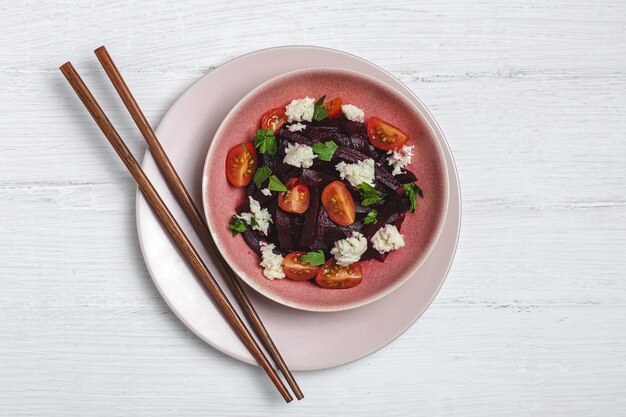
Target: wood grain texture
531 321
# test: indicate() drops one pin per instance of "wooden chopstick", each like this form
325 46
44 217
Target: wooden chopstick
170 223
193 214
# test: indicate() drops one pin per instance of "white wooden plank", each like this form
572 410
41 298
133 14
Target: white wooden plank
458 360
496 37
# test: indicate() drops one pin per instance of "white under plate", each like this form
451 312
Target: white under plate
185 132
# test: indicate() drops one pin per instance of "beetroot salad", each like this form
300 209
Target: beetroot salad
325 191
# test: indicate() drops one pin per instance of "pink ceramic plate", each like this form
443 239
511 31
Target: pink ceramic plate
300 335
420 230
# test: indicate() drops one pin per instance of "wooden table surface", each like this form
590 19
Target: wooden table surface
532 318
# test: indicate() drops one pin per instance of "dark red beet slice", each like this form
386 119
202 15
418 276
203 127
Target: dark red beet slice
327 122
297 223
254 192
254 238
358 135
350 127
406 177
393 207
268 160
314 178
322 133
286 135
283 229
310 218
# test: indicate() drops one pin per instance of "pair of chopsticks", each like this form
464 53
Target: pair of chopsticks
172 226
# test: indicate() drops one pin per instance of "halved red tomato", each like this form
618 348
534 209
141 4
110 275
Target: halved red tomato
331 275
274 119
241 163
298 270
296 198
384 135
333 107
338 203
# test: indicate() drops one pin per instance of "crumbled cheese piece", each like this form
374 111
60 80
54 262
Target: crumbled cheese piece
299 155
387 238
355 174
353 113
296 127
266 191
300 109
348 251
271 262
400 158
261 216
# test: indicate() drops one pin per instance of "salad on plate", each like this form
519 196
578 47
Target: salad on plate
326 190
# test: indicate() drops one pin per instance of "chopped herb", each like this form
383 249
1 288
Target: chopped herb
275 184
253 222
369 194
371 217
265 141
261 175
325 151
319 111
237 225
411 190
313 258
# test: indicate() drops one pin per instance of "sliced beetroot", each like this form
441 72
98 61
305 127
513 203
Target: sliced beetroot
314 178
328 122
398 222
350 127
286 135
283 229
322 133
406 177
391 208
310 218
297 224
254 238
359 210
268 160
320 229
254 192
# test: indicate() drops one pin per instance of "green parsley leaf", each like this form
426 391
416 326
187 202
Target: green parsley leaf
369 194
319 111
313 258
412 191
261 175
265 141
371 217
325 151
237 225
253 222
275 184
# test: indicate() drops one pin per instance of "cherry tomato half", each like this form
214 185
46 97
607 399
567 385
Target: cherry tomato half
296 198
338 203
385 136
241 163
333 107
274 119
297 270
331 275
